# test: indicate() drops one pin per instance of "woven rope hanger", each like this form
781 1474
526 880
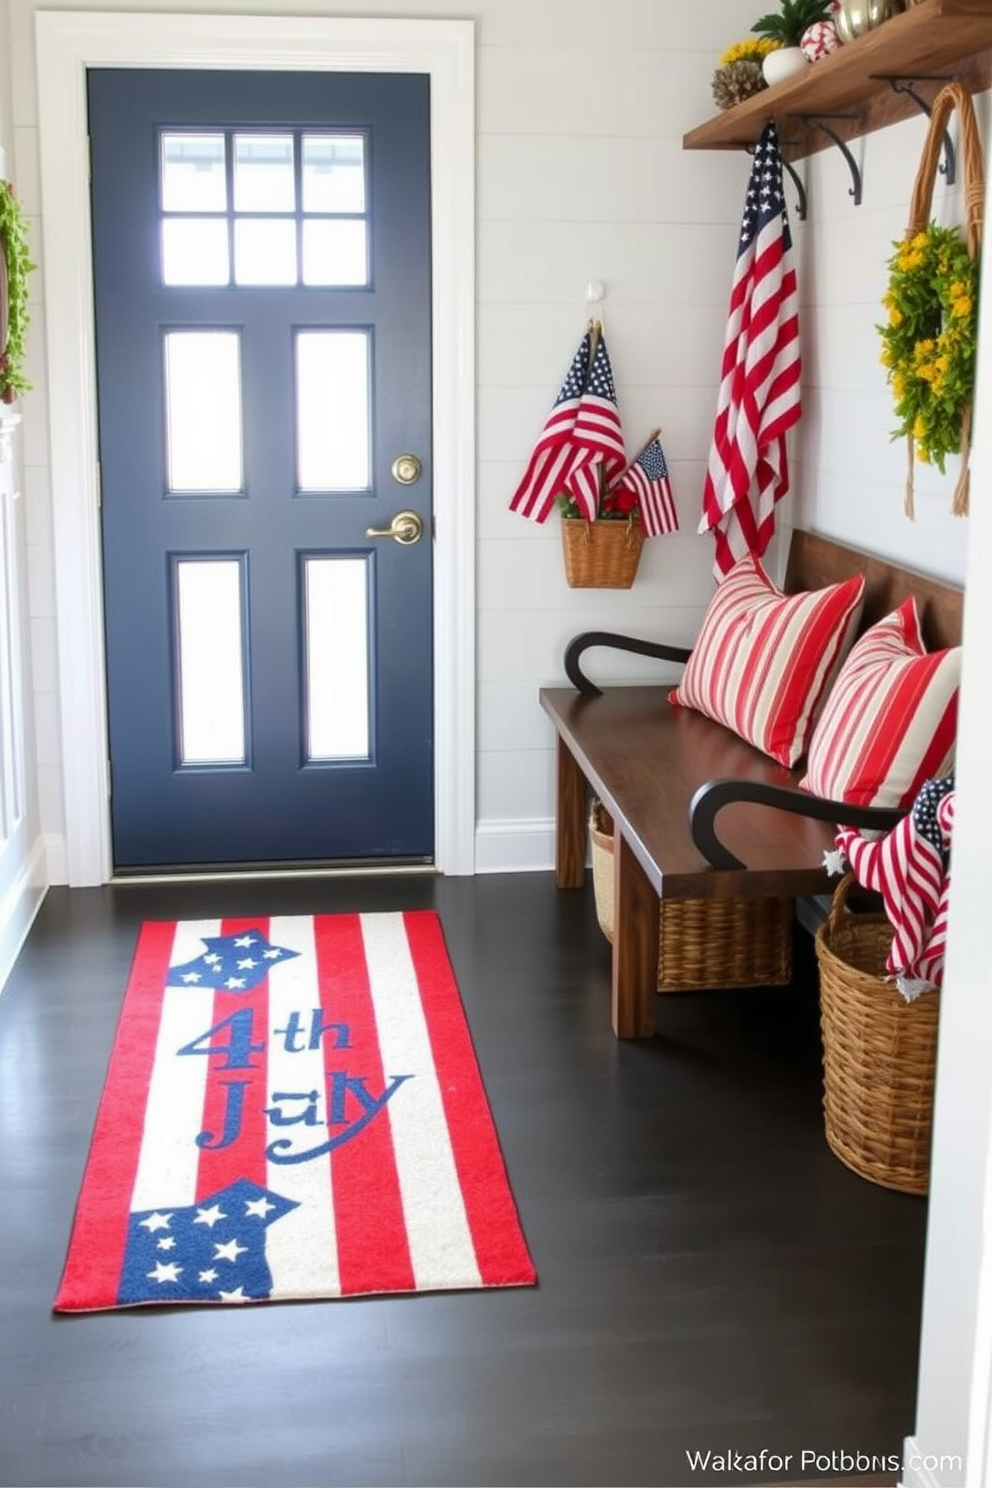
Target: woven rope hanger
952 96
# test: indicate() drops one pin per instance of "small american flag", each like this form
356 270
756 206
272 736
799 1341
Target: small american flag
597 436
554 453
647 478
910 868
759 397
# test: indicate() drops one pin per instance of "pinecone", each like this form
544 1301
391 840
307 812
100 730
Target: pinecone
735 82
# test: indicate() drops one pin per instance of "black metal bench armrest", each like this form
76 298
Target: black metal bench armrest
710 798
581 643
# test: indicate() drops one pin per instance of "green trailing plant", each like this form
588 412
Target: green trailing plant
929 339
793 17
17 265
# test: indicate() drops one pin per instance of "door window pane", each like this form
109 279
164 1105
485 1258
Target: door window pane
203 411
333 173
210 655
193 174
336 634
265 250
263 173
335 251
332 410
317 236
195 250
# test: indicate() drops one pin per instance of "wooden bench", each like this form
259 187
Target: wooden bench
666 775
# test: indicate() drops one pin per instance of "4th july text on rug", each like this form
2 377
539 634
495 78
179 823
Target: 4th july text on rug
292 1109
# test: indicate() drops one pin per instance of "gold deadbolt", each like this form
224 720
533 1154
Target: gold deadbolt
406 469
406 527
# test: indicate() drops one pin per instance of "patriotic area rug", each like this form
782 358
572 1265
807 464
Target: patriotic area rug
292 1110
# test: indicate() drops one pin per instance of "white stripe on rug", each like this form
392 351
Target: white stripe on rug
302 1248
169 1157
438 1233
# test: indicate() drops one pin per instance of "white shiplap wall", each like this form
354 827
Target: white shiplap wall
850 474
581 176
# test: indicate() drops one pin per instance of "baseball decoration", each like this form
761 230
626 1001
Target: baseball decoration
819 40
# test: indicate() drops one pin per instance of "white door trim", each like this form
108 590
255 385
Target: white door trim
67 44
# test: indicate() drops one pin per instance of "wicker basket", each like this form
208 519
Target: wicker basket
879 1053
600 555
703 942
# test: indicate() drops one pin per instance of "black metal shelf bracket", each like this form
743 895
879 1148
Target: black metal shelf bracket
818 121
797 181
800 190
948 167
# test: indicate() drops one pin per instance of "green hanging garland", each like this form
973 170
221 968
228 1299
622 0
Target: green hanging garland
14 316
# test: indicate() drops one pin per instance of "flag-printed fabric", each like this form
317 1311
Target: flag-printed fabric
292 1109
647 478
554 454
910 868
759 398
597 436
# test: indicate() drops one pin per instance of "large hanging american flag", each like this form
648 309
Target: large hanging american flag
910 868
647 478
554 453
759 396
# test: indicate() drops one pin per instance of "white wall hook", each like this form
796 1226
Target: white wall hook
595 292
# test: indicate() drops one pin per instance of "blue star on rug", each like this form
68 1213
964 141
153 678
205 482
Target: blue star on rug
213 1251
231 963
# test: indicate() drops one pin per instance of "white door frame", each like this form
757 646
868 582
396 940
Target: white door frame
67 44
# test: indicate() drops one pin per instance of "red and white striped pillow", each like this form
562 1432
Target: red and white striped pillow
890 720
764 660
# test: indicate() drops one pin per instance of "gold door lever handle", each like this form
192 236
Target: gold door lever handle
406 527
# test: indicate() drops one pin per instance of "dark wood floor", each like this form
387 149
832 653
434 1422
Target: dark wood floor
712 1279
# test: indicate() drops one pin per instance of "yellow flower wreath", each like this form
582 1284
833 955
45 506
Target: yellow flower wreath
929 339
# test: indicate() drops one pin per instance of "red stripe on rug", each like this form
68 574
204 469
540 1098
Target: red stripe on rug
91 1276
244 1157
373 1253
500 1247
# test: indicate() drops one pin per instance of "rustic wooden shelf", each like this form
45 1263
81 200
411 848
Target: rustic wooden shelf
933 42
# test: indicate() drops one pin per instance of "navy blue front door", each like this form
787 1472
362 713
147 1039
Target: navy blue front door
261 251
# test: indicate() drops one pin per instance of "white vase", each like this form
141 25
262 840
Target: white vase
783 63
